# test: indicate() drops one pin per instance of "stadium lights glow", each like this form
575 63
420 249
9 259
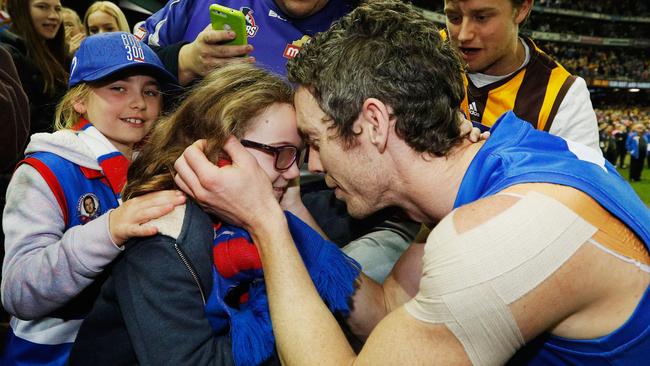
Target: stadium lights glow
634 90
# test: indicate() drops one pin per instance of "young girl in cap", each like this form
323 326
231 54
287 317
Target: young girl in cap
63 221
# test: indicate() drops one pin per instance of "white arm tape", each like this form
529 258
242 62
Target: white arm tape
469 280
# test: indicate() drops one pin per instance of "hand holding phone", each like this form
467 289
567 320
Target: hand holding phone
225 18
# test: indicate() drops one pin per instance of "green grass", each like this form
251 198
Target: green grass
642 188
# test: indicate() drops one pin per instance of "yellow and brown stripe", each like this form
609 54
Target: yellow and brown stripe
534 93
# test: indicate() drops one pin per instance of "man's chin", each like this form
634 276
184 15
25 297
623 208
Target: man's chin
357 212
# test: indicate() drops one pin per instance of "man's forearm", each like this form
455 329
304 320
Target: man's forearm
306 332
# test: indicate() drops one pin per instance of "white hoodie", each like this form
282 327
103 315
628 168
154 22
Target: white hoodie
45 267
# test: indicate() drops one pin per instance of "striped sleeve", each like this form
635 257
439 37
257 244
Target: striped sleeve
168 25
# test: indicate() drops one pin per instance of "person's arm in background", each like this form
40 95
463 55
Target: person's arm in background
575 119
15 110
165 31
168 25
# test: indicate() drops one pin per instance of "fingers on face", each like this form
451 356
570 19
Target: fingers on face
185 177
238 153
199 168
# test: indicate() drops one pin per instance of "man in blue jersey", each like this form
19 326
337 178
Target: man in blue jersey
276 30
540 255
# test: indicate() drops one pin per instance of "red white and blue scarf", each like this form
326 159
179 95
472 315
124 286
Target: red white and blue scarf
238 302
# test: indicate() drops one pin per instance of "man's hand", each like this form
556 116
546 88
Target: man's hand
207 52
240 193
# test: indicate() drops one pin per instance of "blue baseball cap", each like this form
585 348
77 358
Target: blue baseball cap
102 55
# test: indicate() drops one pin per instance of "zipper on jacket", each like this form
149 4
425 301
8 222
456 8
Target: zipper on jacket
190 269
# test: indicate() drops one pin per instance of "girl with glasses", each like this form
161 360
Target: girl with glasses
195 294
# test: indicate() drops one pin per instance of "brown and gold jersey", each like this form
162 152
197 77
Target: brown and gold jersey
534 92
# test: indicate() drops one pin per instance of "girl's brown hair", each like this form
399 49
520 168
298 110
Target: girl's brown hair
223 104
49 55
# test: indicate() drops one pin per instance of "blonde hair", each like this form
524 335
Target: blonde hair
223 104
110 9
66 116
74 14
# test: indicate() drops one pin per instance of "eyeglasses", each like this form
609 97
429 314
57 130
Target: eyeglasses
285 155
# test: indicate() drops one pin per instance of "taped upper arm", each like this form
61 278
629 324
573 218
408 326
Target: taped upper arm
485 257
401 339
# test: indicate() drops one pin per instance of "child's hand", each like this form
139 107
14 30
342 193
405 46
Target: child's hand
473 134
126 221
291 198
74 42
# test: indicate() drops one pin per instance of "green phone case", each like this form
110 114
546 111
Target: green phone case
225 18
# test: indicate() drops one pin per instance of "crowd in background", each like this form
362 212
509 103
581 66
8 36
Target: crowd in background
621 63
613 7
555 23
621 128
624 123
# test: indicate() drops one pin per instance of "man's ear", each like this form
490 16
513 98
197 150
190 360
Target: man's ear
80 107
378 119
523 12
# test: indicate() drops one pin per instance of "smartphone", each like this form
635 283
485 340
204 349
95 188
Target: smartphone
225 18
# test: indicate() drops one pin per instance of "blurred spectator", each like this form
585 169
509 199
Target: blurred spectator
608 143
104 16
4 16
74 29
15 131
637 145
36 41
617 121
620 135
15 112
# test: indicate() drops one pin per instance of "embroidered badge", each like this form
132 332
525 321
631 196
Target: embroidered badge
292 49
88 207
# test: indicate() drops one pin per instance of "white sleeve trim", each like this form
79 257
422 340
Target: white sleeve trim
575 119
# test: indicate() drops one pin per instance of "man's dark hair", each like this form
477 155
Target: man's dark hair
385 49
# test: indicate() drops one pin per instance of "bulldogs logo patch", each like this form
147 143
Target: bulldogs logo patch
251 27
